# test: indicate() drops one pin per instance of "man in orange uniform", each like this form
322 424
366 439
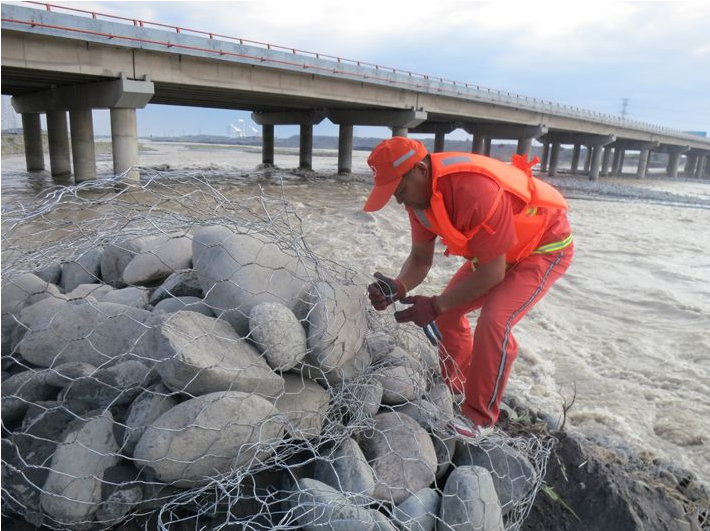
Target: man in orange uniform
511 228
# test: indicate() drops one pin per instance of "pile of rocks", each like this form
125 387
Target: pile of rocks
147 369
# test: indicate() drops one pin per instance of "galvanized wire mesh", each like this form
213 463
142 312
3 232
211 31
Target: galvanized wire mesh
175 356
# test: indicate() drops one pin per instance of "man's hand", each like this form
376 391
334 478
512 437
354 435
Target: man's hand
385 291
422 311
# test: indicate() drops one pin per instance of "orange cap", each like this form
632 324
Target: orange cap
389 161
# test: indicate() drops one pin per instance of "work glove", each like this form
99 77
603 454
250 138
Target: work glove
422 311
385 291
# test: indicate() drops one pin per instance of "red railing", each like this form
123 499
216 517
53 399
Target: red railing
453 91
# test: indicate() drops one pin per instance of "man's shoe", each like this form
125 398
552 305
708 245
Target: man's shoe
464 427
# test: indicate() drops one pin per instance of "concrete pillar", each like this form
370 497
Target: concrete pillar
478 144
690 161
606 160
596 162
487 146
643 163
554 158
575 158
701 167
622 156
345 149
588 160
124 142
58 139
400 131
267 145
439 139
82 145
545 157
32 133
615 161
672 167
305 153
524 146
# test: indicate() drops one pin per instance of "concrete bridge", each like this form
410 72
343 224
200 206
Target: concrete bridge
59 60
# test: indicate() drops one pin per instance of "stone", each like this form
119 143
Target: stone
189 304
155 262
120 493
24 290
208 435
304 405
337 323
116 385
82 331
72 492
278 335
51 273
363 397
402 377
352 370
418 512
346 469
199 354
445 448
424 412
238 271
469 501
97 291
22 389
84 269
382 523
319 507
512 474
117 256
182 283
65 373
379 344
131 296
145 409
402 455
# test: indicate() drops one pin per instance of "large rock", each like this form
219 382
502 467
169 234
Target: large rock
239 271
167 255
117 256
207 436
94 333
21 390
418 512
63 374
319 507
402 455
199 354
130 296
346 469
403 378
304 404
445 447
72 492
469 502
183 283
97 291
116 385
337 323
84 269
51 273
24 290
513 475
120 494
363 397
147 408
278 334
189 304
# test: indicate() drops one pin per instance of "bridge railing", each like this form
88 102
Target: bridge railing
418 81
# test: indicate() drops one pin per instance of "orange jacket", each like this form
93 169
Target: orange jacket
541 202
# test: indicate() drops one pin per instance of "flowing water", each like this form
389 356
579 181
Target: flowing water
627 329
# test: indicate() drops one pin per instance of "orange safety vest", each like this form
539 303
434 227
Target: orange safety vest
541 202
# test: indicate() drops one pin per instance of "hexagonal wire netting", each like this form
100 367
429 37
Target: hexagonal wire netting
175 358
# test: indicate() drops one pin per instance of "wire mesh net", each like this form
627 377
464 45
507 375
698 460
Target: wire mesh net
175 356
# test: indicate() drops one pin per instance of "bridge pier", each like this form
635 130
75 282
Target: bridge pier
439 140
615 161
305 151
267 145
124 142
642 169
700 171
82 145
606 160
672 166
487 146
524 146
554 159
345 149
588 159
576 150
485 132
32 134
595 162
622 156
58 139
478 144
545 157
399 131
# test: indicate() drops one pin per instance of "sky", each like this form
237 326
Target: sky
587 54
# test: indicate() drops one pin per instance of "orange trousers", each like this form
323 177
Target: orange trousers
479 365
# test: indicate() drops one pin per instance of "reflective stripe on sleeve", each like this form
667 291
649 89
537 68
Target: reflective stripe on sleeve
552 247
